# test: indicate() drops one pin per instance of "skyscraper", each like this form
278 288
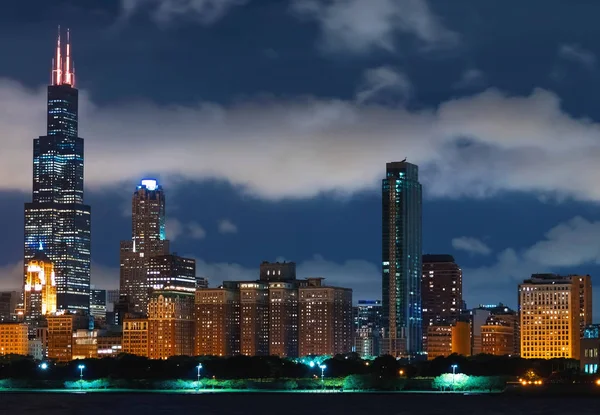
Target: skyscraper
441 291
401 259
148 239
57 221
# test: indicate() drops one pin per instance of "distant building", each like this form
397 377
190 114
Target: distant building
367 328
445 339
546 295
201 282
325 319
85 344
254 318
584 282
8 305
217 313
36 349
112 297
135 336
401 259
283 318
498 337
148 239
170 324
441 291
172 273
60 337
277 271
39 293
13 339
98 303
590 344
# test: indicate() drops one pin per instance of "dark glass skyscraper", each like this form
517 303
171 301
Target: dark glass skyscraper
401 259
57 221
148 239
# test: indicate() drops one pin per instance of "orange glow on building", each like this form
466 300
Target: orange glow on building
40 287
13 339
60 337
135 336
63 70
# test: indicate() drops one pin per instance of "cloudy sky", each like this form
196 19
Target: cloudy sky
269 123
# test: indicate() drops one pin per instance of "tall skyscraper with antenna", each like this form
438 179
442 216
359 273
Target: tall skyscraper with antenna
57 221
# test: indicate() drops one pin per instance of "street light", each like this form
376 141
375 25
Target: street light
453 374
44 366
323 367
81 367
199 367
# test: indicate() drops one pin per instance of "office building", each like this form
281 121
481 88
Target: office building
584 282
401 259
201 282
446 339
56 220
135 336
13 339
590 343
98 303
85 344
367 328
325 319
441 291
39 294
8 306
148 239
498 337
170 324
217 322
549 309
172 273
60 337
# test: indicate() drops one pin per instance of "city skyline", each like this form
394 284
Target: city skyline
496 205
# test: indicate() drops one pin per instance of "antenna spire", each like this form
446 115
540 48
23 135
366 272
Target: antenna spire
63 69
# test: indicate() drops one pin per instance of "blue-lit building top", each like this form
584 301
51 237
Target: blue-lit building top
401 258
57 220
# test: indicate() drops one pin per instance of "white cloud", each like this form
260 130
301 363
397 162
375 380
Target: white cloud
473 146
227 226
573 243
384 84
359 26
471 78
165 11
471 245
362 276
576 53
175 228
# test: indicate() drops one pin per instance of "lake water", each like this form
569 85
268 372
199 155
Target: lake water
290 404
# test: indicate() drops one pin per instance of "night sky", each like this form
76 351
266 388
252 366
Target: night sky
269 123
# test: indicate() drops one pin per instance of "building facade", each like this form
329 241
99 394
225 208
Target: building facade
170 324
98 303
60 337
172 273
148 239
584 282
441 291
254 318
590 344
325 319
57 220
283 318
217 314
8 306
498 337
367 328
14 339
549 309
401 259
135 336
39 294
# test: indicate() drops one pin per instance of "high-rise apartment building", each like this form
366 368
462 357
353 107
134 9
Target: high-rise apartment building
401 259
254 318
172 273
325 319
148 239
441 291
549 309
217 322
283 318
170 324
57 221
